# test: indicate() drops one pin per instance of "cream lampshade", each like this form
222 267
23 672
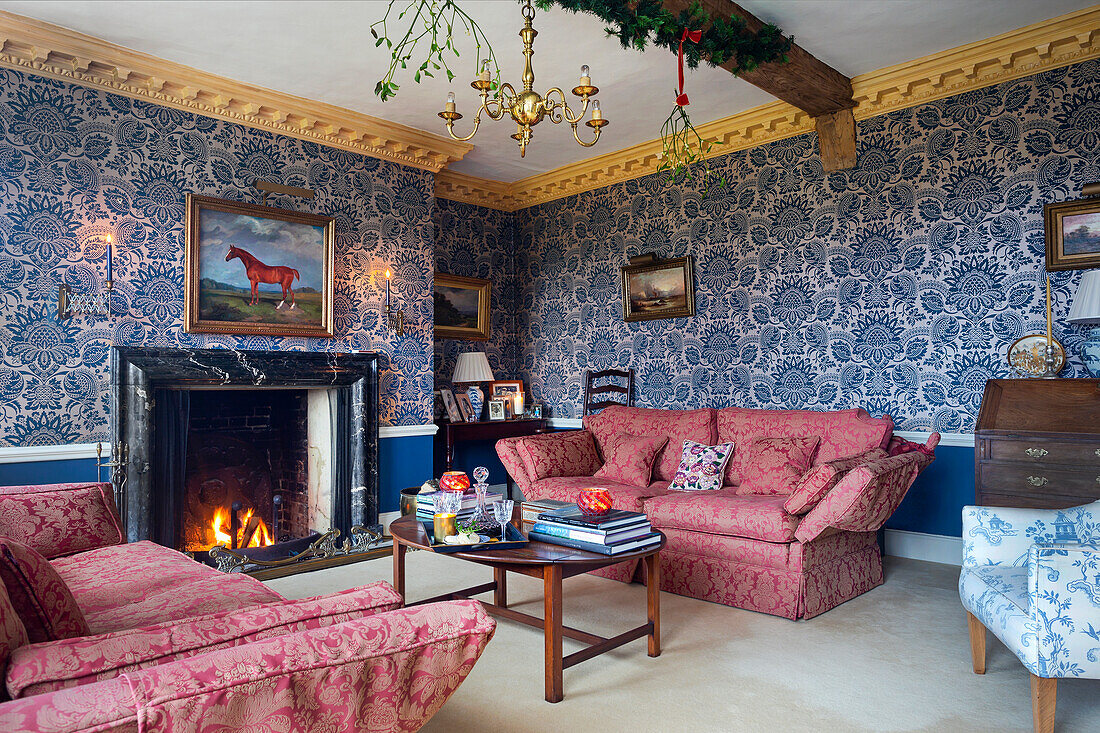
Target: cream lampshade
473 367
1085 311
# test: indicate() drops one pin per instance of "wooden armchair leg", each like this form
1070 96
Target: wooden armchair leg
977 642
1044 693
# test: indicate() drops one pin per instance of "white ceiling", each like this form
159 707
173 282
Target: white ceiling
323 50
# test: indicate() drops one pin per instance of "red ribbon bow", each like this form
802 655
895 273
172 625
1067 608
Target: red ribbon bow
694 37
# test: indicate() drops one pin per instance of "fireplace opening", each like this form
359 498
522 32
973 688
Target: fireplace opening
246 479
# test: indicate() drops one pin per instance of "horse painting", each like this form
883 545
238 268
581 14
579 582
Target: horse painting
258 273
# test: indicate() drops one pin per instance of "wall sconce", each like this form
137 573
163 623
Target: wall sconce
71 304
395 320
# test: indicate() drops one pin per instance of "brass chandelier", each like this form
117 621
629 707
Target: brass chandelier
528 108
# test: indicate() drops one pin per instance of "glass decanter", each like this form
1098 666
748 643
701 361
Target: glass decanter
481 518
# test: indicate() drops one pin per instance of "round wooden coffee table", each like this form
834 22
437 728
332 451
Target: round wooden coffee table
552 563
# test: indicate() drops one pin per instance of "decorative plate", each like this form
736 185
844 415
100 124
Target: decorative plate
1027 355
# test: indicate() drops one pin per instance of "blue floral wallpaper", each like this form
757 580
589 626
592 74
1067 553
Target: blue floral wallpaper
77 163
897 285
474 241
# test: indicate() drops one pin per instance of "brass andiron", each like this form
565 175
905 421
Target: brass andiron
528 108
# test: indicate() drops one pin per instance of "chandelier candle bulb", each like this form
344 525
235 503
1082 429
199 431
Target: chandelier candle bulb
596 113
449 106
586 80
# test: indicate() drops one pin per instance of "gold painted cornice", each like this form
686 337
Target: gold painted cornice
45 49
1061 41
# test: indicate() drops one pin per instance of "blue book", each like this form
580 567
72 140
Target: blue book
653 538
600 537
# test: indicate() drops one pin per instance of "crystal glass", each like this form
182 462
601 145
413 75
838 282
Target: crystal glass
502 511
447 502
481 518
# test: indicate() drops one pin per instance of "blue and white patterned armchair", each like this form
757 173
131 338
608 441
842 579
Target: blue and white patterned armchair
1032 577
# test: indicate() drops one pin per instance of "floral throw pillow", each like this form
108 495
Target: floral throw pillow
776 465
629 459
701 466
816 483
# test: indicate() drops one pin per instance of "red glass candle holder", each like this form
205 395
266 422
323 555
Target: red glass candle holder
594 502
454 481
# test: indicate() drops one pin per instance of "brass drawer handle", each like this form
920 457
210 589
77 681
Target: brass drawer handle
1097 451
1037 480
1040 452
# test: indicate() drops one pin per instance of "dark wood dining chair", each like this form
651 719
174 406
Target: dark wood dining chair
609 393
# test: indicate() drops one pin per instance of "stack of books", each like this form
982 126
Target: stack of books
425 504
614 533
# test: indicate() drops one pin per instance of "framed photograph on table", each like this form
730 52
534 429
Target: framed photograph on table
465 407
252 269
661 289
449 403
1073 234
496 410
507 387
461 307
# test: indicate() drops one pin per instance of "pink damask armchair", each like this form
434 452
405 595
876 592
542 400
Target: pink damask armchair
158 642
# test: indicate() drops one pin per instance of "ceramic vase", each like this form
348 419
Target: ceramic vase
477 400
1090 353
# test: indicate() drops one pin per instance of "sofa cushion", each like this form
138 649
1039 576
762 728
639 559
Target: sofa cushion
571 453
628 459
38 594
676 425
777 465
142 583
701 466
815 484
60 519
723 512
40 668
623 496
843 433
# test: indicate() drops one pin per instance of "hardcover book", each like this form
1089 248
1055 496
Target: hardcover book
572 515
649 540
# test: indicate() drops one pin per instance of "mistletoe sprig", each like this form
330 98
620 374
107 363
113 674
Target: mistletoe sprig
685 153
428 20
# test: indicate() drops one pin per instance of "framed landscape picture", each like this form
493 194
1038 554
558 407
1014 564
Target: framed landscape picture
662 289
1073 234
257 270
461 307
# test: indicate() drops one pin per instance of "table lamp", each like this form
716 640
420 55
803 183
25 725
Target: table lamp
1085 311
470 368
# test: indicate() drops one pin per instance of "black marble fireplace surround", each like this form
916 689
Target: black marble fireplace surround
146 385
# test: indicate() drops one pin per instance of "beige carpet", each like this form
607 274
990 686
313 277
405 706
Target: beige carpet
894 659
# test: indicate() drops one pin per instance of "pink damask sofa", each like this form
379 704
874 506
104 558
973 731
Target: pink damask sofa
159 642
779 554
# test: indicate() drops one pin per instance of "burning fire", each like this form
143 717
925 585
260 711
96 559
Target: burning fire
222 527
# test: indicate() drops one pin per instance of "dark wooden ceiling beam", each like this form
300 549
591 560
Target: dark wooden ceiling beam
804 81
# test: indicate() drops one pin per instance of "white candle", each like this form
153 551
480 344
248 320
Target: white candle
110 258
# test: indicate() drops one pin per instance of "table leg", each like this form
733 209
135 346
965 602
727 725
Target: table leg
653 601
551 589
399 568
500 594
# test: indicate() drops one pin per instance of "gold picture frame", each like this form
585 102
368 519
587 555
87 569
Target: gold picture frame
461 307
661 289
233 248
1079 223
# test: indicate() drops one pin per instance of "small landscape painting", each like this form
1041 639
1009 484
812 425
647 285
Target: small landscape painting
1073 234
253 269
663 289
461 307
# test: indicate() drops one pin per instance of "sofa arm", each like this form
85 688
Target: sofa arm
60 519
1064 593
865 498
508 452
389 672
48 666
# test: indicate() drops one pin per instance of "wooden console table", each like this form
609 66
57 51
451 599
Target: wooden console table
1038 443
451 433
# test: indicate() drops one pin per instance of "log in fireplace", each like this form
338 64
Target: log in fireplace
248 460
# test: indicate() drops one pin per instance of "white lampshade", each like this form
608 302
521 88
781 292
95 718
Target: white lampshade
472 367
1086 303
